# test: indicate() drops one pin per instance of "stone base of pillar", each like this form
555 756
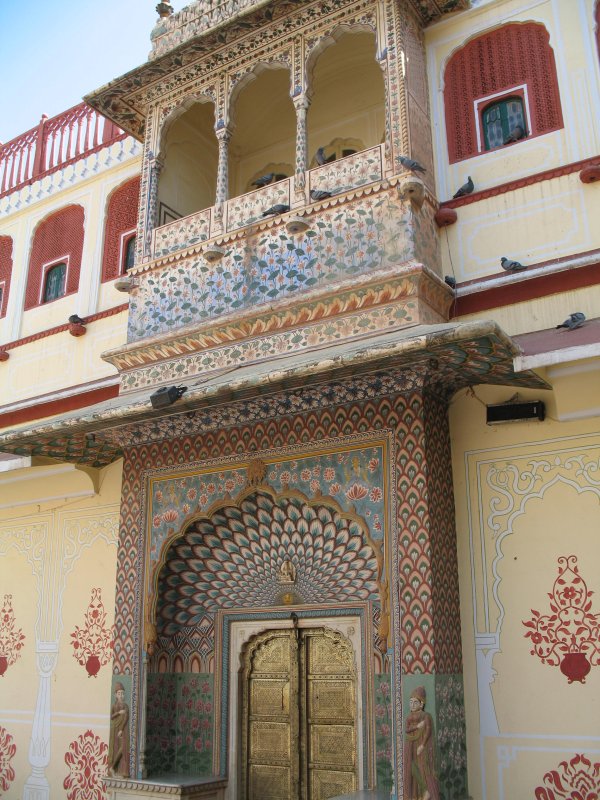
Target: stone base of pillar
192 788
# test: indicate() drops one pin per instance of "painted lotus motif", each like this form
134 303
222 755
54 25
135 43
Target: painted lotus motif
12 639
7 751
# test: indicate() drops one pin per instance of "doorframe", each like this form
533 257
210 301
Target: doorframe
233 631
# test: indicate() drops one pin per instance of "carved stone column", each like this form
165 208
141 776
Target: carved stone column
155 168
37 786
223 138
301 104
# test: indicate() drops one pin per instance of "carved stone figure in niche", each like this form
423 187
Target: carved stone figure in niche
287 572
420 780
118 745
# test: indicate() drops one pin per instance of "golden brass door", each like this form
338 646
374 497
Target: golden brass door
298 716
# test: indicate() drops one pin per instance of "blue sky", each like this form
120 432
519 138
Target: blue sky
52 52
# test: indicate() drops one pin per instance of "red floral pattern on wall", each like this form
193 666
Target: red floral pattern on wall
577 779
93 643
87 762
12 638
7 750
569 636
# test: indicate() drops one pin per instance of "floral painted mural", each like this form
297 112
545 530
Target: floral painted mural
7 752
92 643
86 759
354 478
179 724
576 779
12 638
569 636
368 233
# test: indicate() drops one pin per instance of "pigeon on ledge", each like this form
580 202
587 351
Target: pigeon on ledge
278 208
451 281
511 266
320 156
517 133
575 320
466 188
411 164
265 180
75 319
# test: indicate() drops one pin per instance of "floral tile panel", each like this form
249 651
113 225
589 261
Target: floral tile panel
351 477
181 233
363 235
249 208
350 172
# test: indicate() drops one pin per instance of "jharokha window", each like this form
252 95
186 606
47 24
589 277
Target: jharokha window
54 282
496 83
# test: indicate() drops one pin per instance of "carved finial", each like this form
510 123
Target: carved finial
256 472
150 634
164 9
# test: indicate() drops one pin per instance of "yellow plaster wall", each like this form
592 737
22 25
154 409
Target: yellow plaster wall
59 361
526 494
545 220
52 553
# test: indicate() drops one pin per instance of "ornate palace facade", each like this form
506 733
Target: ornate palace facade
333 570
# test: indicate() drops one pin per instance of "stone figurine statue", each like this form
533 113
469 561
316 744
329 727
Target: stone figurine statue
420 780
118 744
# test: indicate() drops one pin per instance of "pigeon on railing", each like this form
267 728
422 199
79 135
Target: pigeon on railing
278 208
517 133
265 180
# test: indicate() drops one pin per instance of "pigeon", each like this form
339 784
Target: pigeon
451 281
278 208
320 194
518 132
75 319
511 266
320 156
466 188
265 180
575 320
411 164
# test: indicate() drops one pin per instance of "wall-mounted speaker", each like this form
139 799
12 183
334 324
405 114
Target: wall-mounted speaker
515 412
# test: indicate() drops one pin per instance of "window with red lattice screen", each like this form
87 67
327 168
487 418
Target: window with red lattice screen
517 54
6 246
58 238
121 218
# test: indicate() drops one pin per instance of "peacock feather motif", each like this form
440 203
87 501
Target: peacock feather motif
233 559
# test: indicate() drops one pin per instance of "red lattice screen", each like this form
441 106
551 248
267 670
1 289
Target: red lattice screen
509 56
59 235
121 216
6 246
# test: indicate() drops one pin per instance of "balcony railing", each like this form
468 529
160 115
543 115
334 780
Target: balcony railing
53 144
342 175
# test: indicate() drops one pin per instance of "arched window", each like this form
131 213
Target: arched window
54 282
509 71
58 239
347 110
121 219
5 272
128 253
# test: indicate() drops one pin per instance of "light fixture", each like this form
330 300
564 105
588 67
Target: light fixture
166 396
515 412
296 225
213 253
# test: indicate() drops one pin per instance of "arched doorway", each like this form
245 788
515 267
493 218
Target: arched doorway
298 715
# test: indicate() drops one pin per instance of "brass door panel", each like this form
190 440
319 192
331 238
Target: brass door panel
298 716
